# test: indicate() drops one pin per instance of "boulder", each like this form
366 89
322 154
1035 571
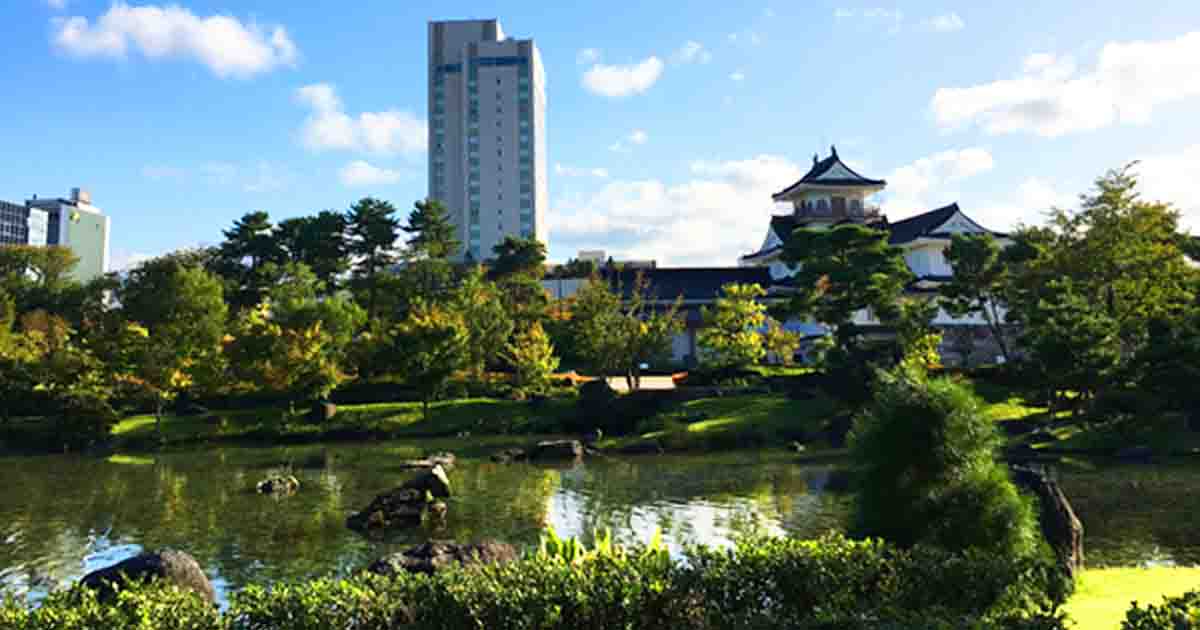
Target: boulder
174 567
1135 454
322 411
445 460
434 481
280 485
432 556
557 449
1060 526
510 455
401 507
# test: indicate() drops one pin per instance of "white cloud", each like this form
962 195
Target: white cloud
620 81
747 36
924 184
1171 178
362 173
692 52
226 45
737 76
1050 98
946 23
637 136
587 55
329 127
1032 199
575 171
57 4
720 213
893 16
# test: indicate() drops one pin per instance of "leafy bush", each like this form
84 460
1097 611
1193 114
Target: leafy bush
151 607
1173 614
928 471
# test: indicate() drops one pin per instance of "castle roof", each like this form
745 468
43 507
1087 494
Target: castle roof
829 173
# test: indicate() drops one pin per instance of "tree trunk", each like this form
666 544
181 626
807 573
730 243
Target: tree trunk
159 406
993 322
425 408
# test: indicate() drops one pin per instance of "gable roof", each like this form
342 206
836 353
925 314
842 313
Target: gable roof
921 225
693 283
830 172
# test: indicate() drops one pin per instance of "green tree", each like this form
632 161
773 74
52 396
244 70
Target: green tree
617 333
518 256
479 302
318 242
299 360
574 268
781 342
246 258
730 337
532 356
518 268
431 346
843 270
979 284
431 244
372 227
928 473
297 304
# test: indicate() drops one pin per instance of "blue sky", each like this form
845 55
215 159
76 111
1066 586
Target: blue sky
668 126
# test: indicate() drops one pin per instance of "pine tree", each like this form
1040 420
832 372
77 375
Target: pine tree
372 228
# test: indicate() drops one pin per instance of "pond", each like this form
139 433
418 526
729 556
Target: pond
62 516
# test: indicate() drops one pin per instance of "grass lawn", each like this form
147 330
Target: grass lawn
1103 595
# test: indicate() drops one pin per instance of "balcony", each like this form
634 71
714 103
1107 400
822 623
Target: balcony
836 213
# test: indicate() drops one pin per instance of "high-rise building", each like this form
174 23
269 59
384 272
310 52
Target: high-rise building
75 223
22 225
487 133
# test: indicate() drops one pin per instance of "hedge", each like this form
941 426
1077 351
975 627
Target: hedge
1175 613
829 584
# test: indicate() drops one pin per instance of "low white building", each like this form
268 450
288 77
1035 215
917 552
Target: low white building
75 223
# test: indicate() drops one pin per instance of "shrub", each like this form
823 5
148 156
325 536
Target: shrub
150 607
928 472
1174 613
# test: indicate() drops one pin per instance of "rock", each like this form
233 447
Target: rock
510 455
175 567
557 449
322 411
281 485
1135 454
445 460
1013 428
1060 526
838 429
433 556
642 448
433 481
401 507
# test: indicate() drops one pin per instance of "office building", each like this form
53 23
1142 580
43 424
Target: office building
75 223
21 225
487 133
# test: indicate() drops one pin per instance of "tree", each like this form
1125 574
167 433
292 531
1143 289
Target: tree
978 284
843 270
38 278
730 338
431 345
297 304
781 342
518 270
532 356
177 317
430 246
298 360
479 302
518 256
574 268
318 242
928 472
616 335
246 256
372 228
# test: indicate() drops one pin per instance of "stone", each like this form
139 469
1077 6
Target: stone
510 455
322 411
557 449
431 557
434 481
1060 526
401 507
1135 454
169 565
445 460
281 485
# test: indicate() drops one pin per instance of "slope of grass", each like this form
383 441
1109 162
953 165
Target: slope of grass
1103 595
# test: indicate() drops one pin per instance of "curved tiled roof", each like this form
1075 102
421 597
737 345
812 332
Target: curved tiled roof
692 283
814 177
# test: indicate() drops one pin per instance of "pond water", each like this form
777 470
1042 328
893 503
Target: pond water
62 516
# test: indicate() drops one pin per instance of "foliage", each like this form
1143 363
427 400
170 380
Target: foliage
297 358
1173 613
518 256
978 284
916 336
152 607
927 471
532 356
780 342
574 268
317 242
479 302
371 228
617 336
246 257
730 337
431 345
843 270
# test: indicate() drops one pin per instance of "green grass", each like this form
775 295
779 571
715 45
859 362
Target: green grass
1167 435
1103 595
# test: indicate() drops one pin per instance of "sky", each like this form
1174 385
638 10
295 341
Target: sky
668 125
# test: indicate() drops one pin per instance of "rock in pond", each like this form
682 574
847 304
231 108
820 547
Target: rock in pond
433 556
281 485
557 449
433 480
404 506
445 460
175 567
510 455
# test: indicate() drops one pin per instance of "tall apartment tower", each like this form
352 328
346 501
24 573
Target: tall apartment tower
487 133
75 223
